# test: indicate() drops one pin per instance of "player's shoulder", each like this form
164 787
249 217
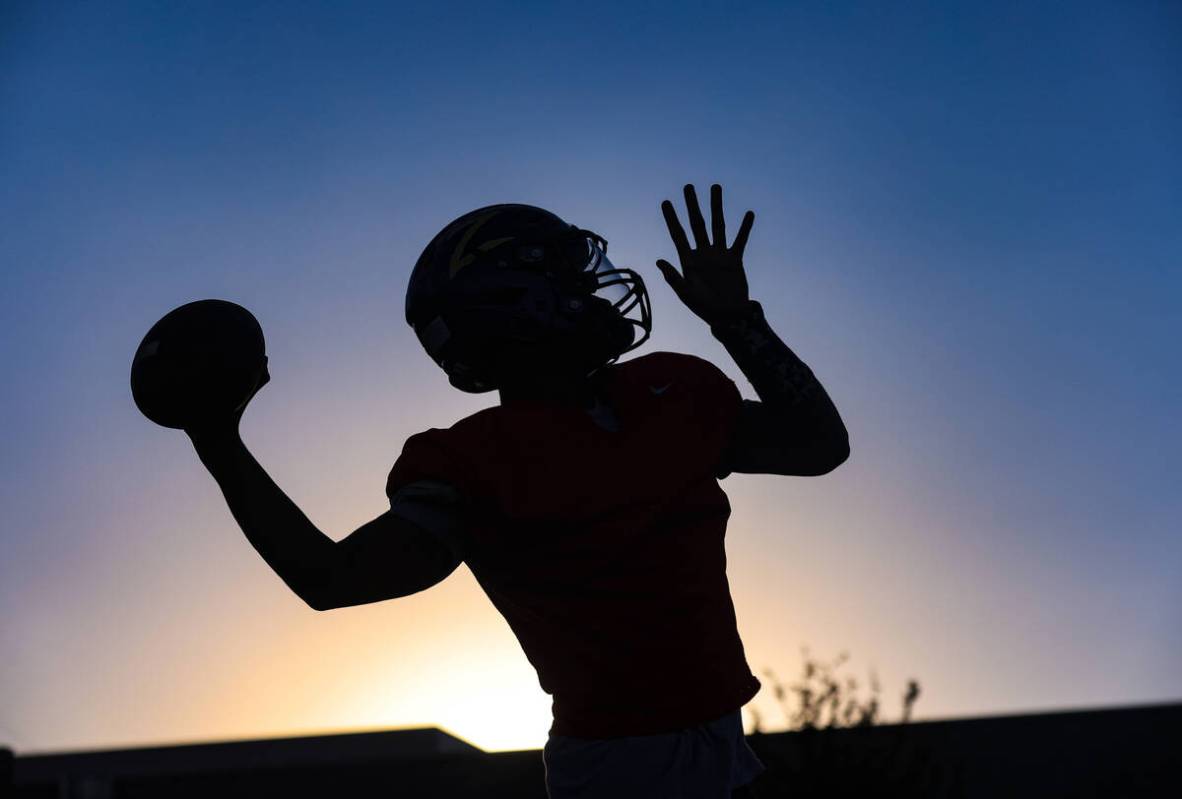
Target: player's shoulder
475 426
454 455
462 435
665 365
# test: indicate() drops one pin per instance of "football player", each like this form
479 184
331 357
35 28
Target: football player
587 502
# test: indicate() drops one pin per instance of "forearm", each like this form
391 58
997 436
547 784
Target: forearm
783 382
291 545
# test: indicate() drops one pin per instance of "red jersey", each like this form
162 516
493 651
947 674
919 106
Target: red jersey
604 549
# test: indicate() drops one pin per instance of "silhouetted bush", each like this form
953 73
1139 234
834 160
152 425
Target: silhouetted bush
825 700
832 753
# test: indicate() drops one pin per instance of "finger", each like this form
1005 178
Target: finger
717 220
672 276
697 224
676 231
744 231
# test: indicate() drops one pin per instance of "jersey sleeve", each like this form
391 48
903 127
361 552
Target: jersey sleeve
432 484
434 506
432 455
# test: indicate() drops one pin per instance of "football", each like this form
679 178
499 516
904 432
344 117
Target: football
201 361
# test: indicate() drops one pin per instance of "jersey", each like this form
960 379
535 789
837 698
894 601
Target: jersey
604 550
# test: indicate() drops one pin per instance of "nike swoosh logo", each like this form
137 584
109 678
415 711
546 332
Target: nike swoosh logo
659 391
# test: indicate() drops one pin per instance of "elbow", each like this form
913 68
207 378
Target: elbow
320 587
836 454
318 603
319 594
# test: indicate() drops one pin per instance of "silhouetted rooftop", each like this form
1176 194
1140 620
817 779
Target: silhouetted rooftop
1128 752
269 753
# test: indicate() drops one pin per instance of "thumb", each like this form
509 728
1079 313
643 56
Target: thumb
672 276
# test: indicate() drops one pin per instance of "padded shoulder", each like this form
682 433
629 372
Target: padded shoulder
442 456
675 365
713 398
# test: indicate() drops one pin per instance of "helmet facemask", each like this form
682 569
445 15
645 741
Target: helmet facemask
577 316
513 295
623 289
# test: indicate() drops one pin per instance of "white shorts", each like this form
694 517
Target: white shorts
707 761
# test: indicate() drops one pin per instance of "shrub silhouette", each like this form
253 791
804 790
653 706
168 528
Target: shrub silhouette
829 756
826 700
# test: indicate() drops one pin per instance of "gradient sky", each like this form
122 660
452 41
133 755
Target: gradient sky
968 224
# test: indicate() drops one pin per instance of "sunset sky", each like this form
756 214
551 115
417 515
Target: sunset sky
969 224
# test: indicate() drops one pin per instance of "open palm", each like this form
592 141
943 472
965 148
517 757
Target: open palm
712 282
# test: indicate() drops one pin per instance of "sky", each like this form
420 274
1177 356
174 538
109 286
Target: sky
967 224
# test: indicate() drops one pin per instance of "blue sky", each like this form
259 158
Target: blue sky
967 224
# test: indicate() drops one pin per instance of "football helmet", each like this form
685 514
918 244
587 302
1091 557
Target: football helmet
507 292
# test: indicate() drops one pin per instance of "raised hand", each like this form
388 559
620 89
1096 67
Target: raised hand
712 282
223 425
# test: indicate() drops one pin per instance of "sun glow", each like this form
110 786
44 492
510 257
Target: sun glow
488 697
502 708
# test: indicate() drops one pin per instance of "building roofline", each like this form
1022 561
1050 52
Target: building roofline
268 753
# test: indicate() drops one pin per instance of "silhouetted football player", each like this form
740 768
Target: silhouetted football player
587 503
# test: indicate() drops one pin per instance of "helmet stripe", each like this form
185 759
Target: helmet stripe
458 259
488 245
